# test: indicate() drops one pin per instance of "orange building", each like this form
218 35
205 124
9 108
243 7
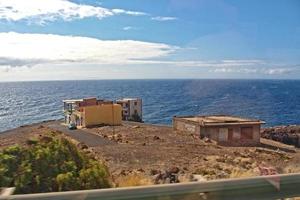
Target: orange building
90 112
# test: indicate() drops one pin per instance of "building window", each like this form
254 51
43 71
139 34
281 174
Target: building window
135 103
247 133
135 111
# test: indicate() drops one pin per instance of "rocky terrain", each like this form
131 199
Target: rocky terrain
140 154
286 134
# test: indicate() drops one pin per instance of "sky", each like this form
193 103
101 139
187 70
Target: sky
149 39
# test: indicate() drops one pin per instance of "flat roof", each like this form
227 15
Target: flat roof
72 100
79 100
219 120
128 99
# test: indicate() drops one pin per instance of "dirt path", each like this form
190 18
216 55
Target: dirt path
81 135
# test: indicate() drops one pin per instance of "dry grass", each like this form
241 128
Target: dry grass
239 173
292 169
133 180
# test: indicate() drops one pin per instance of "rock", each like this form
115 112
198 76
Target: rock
198 177
222 174
166 177
206 140
156 137
119 140
174 170
285 134
123 173
154 172
246 161
136 127
140 170
221 159
46 139
82 146
144 144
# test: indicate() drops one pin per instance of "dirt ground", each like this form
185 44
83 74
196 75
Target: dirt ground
147 148
155 152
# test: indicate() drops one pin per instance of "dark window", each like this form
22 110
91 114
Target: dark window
135 111
246 133
135 103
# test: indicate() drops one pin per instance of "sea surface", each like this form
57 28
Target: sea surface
275 101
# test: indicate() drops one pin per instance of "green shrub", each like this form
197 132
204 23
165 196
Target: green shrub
48 166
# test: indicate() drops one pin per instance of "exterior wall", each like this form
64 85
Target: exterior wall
232 135
130 107
224 135
184 126
109 114
88 102
136 109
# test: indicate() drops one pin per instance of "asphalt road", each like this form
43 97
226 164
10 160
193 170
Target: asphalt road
81 135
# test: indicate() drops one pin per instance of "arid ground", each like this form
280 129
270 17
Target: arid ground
153 153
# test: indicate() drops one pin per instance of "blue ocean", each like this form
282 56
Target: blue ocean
275 101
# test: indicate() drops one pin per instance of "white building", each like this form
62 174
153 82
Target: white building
131 109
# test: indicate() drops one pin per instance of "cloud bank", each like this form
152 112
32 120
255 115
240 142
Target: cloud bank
23 49
41 11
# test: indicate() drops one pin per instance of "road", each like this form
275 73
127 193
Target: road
81 135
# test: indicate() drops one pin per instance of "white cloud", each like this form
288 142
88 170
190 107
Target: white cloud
23 49
160 18
128 12
127 28
279 71
267 70
41 11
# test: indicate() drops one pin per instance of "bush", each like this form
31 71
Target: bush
48 166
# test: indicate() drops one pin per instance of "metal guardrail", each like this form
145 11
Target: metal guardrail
263 187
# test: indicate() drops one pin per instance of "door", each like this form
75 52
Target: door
230 134
223 134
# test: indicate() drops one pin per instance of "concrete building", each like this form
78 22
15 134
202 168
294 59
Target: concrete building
225 130
91 112
131 109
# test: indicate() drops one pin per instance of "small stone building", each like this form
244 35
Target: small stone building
225 130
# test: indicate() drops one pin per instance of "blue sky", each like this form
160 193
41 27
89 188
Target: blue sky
114 39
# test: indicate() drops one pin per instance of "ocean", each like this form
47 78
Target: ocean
275 101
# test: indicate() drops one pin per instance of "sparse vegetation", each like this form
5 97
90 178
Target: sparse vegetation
133 180
241 173
50 164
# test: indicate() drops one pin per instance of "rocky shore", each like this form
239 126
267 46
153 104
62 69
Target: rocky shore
285 134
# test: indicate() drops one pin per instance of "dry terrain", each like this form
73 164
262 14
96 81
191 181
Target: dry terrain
147 154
